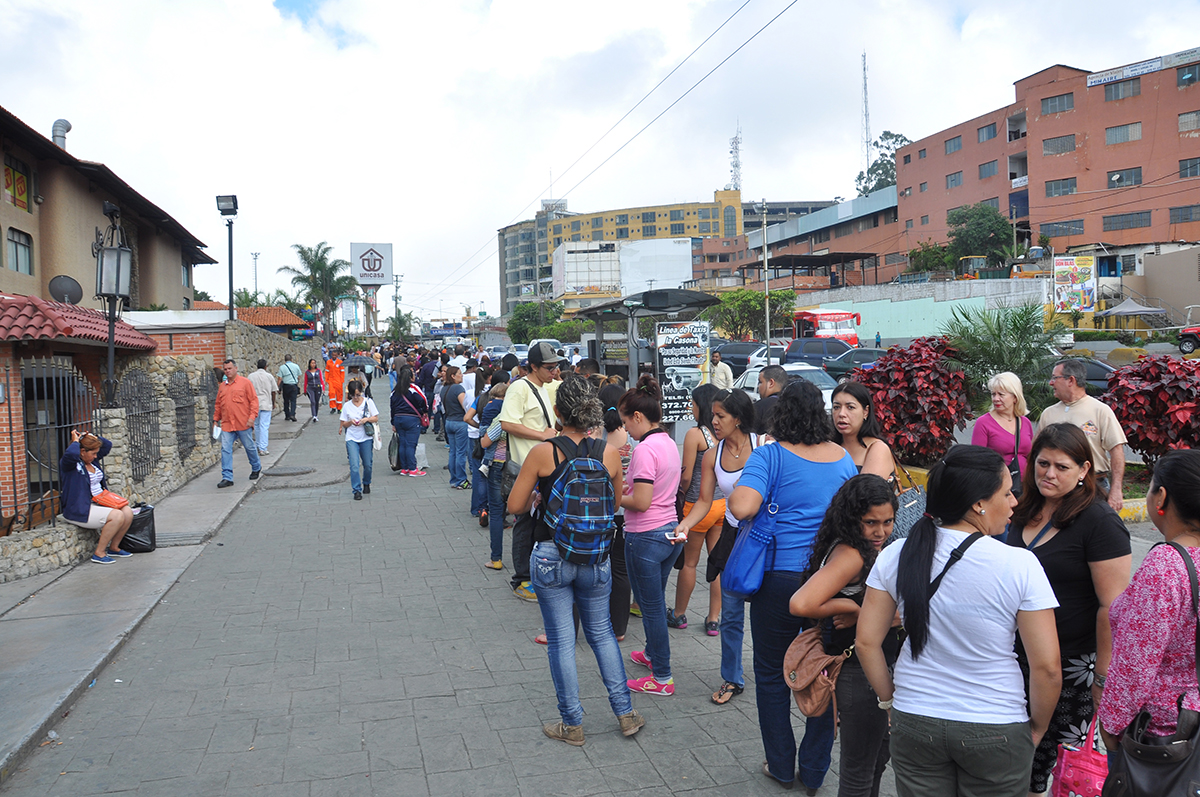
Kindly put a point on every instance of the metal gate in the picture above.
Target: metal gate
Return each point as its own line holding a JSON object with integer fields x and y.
{"x": 136, "y": 394}
{"x": 56, "y": 400}
{"x": 209, "y": 384}
{"x": 179, "y": 389}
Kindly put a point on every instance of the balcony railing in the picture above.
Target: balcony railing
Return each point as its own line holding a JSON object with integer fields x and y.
{"x": 713, "y": 283}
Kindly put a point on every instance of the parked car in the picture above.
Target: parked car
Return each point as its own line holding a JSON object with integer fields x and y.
{"x": 814, "y": 350}
{"x": 843, "y": 364}
{"x": 521, "y": 350}
{"x": 759, "y": 357}
{"x": 737, "y": 355}
{"x": 748, "y": 381}
{"x": 1097, "y": 374}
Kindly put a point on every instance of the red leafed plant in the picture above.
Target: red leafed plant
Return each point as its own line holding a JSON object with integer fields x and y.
{"x": 920, "y": 395}
{"x": 1157, "y": 402}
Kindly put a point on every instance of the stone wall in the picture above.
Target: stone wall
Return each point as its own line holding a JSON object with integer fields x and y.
{"x": 246, "y": 344}
{"x": 41, "y": 550}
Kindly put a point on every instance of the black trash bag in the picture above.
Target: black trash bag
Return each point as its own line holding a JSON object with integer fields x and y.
{"x": 141, "y": 537}
{"x": 394, "y": 451}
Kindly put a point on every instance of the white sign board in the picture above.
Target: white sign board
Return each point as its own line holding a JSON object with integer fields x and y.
{"x": 371, "y": 264}
{"x": 350, "y": 312}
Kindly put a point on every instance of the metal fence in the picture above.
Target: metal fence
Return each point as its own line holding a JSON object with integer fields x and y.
{"x": 136, "y": 394}
{"x": 209, "y": 384}
{"x": 180, "y": 391}
{"x": 56, "y": 399}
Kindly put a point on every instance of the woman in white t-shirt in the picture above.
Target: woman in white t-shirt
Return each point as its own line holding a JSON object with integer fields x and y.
{"x": 357, "y": 412}
{"x": 959, "y": 724}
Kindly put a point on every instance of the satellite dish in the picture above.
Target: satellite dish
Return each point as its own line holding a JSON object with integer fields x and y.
{"x": 65, "y": 289}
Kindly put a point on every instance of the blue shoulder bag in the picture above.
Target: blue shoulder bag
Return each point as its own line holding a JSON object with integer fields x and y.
{"x": 743, "y": 573}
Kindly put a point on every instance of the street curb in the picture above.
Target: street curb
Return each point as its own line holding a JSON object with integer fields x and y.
{"x": 1134, "y": 511}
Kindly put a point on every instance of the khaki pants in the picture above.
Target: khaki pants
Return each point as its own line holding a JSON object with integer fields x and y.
{"x": 945, "y": 758}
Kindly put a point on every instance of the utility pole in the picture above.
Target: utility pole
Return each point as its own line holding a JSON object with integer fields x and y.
{"x": 766, "y": 281}
{"x": 255, "y": 256}
{"x": 396, "y": 297}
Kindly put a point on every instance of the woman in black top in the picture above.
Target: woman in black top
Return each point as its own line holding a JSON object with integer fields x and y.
{"x": 1064, "y": 518}
{"x": 408, "y": 406}
{"x": 454, "y": 404}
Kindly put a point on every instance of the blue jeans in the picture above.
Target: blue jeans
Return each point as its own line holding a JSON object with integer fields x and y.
{"x": 772, "y": 630}
{"x": 364, "y": 451}
{"x": 247, "y": 438}
{"x": 496, "y": 509}
{"x": 456, "y": 437}
{"x": 559, "y": 585}
{"x": 262, "y": 426}
{"x": 650, "y": 557}
{"x": 479, "y": 490}
{"x": 408, "y": 427}
{"x": 733, "y": 632}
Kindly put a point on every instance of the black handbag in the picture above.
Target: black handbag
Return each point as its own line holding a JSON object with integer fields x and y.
{"x": 140, "y": 538}
{"x": 1151, "y": 766}
{"x": 1014, "y": 465}
{"x": 394, "y": 451}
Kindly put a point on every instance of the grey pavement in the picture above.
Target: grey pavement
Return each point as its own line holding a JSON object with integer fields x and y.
{"x": 321, "y": 646}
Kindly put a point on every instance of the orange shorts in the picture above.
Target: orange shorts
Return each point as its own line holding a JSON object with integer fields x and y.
{"x": 714, "y": 517}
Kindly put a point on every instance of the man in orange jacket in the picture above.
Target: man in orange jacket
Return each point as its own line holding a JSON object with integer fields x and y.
{"x": 335, "y": 375}
{"x": 235, "y": 411}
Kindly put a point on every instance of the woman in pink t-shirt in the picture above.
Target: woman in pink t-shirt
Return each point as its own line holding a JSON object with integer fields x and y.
{"x": 649, "y": 504}
{"x": 997, "y": 429}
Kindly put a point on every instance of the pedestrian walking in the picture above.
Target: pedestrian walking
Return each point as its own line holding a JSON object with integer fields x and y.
{"x": 554, "y": 476}
{"x": 454, "y": 403}
{"x": 335, "y": 377}
{"x": 314, "y": 385}
{"x": 264, "y": 388}
{"x": 409, "y": 408}
{"x": 81, "y": 482}
{"x": 359, "y": 416}
{"x": 288, "y": 380}
{"x": 235, "y": 412}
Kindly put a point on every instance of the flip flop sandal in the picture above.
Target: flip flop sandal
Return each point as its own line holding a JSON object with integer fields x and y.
{"x": 727, "y": 692}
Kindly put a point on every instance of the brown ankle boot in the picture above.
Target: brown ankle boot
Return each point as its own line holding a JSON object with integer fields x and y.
{"x": 571, "y": 734}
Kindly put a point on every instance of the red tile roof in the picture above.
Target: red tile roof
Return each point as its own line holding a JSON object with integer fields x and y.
{"x": 202, "y": 305}
{"x": 31, "y": 318}
{"x": 270, "y": 317}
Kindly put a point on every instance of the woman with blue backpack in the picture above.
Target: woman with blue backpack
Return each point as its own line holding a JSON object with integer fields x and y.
{"x": 573, "y": 485}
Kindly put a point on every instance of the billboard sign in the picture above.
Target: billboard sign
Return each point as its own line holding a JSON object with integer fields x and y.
{"x": 1075, "y": 284}
{"x": 349, "y": 312}
{"x": 371, "y": 264}
{"x": 682, "y": 351}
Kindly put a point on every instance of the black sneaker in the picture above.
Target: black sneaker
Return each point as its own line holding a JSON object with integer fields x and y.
{"x": 224, "y": 483}
{"x": 357, "y": 495}
{"x": 366, "y": 489}
{"x": 255, "y": 475}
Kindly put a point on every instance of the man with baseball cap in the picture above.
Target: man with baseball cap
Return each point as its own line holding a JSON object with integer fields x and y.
{"x": 527, "y": 418}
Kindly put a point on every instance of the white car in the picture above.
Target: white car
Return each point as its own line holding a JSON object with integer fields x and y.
{"x": 759, "y": 357}
{"x": 749, "y": 380}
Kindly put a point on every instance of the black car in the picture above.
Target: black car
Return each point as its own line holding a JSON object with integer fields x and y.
{"x": 814, "y": 350}
{"x": 843, "y": 364}
{"x": 737, "y": 356}
{"x": 1097, "y": 374}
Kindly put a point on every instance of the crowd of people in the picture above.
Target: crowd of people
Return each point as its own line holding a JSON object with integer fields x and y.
{"x": 972, "y": 648}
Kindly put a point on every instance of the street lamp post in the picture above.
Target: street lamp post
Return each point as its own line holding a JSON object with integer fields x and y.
{"x": 114, "y": 264}
{"x": 228, "y": 206}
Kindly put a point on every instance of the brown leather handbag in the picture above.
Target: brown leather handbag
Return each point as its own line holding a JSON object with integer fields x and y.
{"x": 812, "y": 673}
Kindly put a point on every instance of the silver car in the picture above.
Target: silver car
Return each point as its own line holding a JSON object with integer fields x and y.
{"x": 749, "y": 380}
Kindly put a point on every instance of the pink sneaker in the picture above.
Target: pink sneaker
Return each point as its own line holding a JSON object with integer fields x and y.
{"x": 404, "y": 472}
{"x": 417, "y": 473}
{"x": 638, "y": 657}
{"x": 651, "y": 686}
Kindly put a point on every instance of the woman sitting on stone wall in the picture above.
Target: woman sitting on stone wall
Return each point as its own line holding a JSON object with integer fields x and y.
{"x": 82, "y": 481}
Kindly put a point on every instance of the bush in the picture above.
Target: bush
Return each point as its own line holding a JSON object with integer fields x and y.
{"x": 1155, "y": 400}
{"x": 920, "y": 395}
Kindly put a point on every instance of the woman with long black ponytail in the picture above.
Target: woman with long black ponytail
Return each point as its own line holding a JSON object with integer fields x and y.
{"x": 960, "y": 722}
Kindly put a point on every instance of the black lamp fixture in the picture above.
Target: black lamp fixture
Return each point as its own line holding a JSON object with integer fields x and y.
{"x": 114, "y": 265}
{"x": 227, "y": 204}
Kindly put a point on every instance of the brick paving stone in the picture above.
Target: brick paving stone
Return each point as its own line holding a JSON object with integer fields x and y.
{"x": 321, "y": 646}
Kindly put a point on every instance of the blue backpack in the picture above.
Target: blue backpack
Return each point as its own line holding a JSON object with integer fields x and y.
{"x": 582, "y": 503}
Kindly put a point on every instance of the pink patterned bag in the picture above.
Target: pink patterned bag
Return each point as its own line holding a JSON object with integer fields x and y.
{"x": 1080, "y": 772}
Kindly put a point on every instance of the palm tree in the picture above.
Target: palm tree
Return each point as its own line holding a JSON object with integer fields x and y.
{"x": 320, "y": 281}
{"x": 246, "y": 298}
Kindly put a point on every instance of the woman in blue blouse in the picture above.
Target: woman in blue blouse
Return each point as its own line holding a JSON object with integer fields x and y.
{"x": 801, "y": 475}
{"x": 81, "y": 478}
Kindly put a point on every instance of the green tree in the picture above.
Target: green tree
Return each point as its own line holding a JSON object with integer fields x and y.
{"x": 742, "y": 313}
{"x": 201, "y": 296}
{"x": 527, "y": 317}
{"x": 929, "y": 256}
{"x": 320, "y": 281}
{"x": 882, "y": 171}
{"x": 246, "y": 298}
{"x": 281, "y": 298}
{"x": 978, "y": 230}
{"x": 990, "y": 341}
{"x": 400, "y": 326}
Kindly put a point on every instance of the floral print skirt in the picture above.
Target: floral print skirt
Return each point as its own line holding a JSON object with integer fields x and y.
{"x": 1072, "y": 715}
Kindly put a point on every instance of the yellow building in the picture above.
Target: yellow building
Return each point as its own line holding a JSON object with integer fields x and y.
{"x": 526, "y": 247}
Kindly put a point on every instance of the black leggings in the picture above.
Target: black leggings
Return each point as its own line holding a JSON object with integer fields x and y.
{"x": 314, "y": 399}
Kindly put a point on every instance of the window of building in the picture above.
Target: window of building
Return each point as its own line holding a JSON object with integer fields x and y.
{"x": 20, "y": 251}
{"x": 16, "y": 184}
{"x": 907, "y": 224}
{"x": 1058, "y": 145}
{"x": 597, "y": 235}
{"x": 705, "y": 226}
{"x": 1058, "y": 103}
{"x": 703, "y": 213}
{"x": 676, "y": 229}
{"x": 987, "y": 132}
{"x": 676, "y": 215}
{"x": 821, "y": 236}
{"x": 1128, "y": 264}
{"x": 954, "y": 180}
{"x": 730, "y": 220}
{"x": 187, "y": 275}
{"x": 1123, "y": 133}
{"x": 187, "y": 303}
{"x": 576, "y": 237}
{"x": 953, "y": 144}
{"x": 989, "y": 169}
{"x": 558, "y": 229}
{"x": 924, "y": 187}
{"x": 891, "y": 215}
{"x": 1189, "y": 121}
{"x": 1057, "y": 229}
{"x": 1127, "y": 221}
{"x": 1122, "y": 89}
{"x": 994, "y": 202}
{"x": 597, "y": 221}
{"x": 1185, "y": 214}
{"x": 1125, "y": 177}
{"x": 716, "y": 226}
{"x": 576, "y": 225}
{"x": 1187, "y": 75}
{"x": 907, "y": 159}
{"x": 1189, "y": 167}
{"x": 648, "y": 218}
{"x": 920, "y": 154}
{"x": 622, "y": 218}
{"x": 1060, "y": 187}
{"x": 622, "y": 232}
{"x": 924, "y": 220}
{"x": 557, "y": 241}
{"x": 843, "y": 229}
{"x": 649, "y": 231}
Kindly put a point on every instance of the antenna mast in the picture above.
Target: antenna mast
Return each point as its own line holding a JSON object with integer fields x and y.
{"x": 866, "y": 129}
{"x": 735, "y": 160}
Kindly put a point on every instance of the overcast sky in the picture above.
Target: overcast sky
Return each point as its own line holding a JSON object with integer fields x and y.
{"x": 430, "y": 125}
